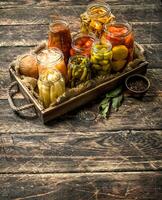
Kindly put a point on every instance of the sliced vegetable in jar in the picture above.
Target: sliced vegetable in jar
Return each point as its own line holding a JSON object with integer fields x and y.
{"x": 51, "y": 85}
{"x": 101, "y": 56}
{"x": 78, "y": 70}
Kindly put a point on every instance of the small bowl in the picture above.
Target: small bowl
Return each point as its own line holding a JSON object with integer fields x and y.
{"x": 131, "y": 82}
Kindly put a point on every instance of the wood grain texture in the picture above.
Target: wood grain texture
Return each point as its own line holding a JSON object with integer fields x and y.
{"x": 16, "y": 3}
{"x": 80, "y": 156}
{"x": 134, "y": 114}
{"x": 81, "y": 152}
{"x": 42, "y": 15}
{"x": 30, "y": 35}
{"x": 96, "y": 186}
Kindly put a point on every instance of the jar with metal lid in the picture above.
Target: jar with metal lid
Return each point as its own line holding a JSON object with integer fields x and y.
{"x": 51, "y": 85}
{"x": 52, "y": 58}
{"x": 59, "y": 36}
{"x": 101, "y": 56}
{"x": 95, "y": 17}
{"x": 122, "y": 39}
{"x": 78, "y": 70}
{"x": 81, "y": 44}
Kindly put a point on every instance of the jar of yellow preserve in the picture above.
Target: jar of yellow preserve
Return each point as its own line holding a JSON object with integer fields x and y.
{"x": 51, "y": 85}
{"x": 95, "y": 17}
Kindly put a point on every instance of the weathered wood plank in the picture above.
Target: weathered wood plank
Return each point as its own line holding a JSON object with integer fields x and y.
{"x": 134, "y": 114}
{"x": 30, "y": 35}
{"x": 128, "y": 186}
{"x": 81, "y": 152}
{"x": 41, "y": 15}
{"x": 17, "y": 3}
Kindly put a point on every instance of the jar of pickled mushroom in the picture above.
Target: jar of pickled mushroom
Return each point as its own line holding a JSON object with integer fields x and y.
{"x": 51, "y": 85}
{"x": 95, "y": 17}
{"x": 122, "y": 39}
{"x": 78, "y": 70}
{"x": 81, "y": 44}
{"x": 59, "y": 36}
{"x": 101, "y": 56}
{"x": 52, "y": 58}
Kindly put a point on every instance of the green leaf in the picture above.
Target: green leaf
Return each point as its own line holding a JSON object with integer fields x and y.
{"x": 117, "y": 101}
{"x": 114, "y": 93}
{"x": 104, "y": 101}
{"x": 105, "y": 111}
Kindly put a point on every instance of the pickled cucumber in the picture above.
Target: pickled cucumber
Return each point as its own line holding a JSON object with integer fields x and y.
{"x": 45, "y": 90}
{"x": 79, "y": 70}
{"x": 53, "y": 94}
{"x": 51, "y": 85}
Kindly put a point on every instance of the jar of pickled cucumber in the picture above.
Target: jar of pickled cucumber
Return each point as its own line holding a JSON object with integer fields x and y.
{"x": 122, "y": 39}
{"x": 78, "y": 70}
{"x": 81, "y": 44}
{"x": 95, "y": 17}
{"x": 52, "y": 58}
{"x": 51, "y": 85}
{"x": 101, "y": 56}
{"x": 59, "y": 36}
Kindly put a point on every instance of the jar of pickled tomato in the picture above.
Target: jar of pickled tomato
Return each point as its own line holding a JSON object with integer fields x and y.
{"x": 122, "y": 39}
{"x": 81, "y": 44}
{"x": 101, "y": 56}
{"x": 51, "y": 85}
{"x": 52, "y": 58}
{"x": 59, "y": 36}
{"x": 95, "y": 17}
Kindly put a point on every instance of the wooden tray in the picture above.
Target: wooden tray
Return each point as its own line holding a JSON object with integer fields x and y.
{"x": 52, "y": 112}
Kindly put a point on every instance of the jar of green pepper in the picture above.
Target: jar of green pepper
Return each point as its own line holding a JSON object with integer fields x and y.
{"x": 78, "y": 70}
{"x": 101, "y": 57}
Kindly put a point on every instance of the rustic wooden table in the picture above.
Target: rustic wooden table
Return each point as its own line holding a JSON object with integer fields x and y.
{"x": 79, "y": 156}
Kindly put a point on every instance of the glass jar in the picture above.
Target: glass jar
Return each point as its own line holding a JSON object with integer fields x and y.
{"x": 78, "y": 70}
{"x": 81, "y": 44}
{"x": 95, "y": 17}
{"x": 59, "y": 36}
{"x": 122, "y": 39}
{"x": 51, "y": 85}
{"x": 52, "y": 58}
{"x": 101, "y": 56}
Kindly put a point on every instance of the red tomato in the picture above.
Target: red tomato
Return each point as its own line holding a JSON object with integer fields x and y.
{"x": 129, "y": 40}
{"x": 88, "y": 44}
{"x": 79, "y": 42}
{"x": 72, "y": 52}
{"x": 115, "y": 40}
{"x": 117, "y": 30}
{"x": 86, "y": 52}
{"x": 85, "y": 39}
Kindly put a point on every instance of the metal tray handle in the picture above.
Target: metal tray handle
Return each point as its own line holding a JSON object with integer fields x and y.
{"x": 11, "y": 93}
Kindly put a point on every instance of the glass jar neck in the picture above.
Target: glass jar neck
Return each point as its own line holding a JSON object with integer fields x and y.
{"x": 107, "y": 44}
{"x": 127, "y": 26}
{"x": 79, "y": 59}
{"x": 58, "y": 25}
{"x": 97, "y": 10}
{"x": 50, "y": 76}
{"x": 79, "y": 36}
{"x": 50, "y": 57}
